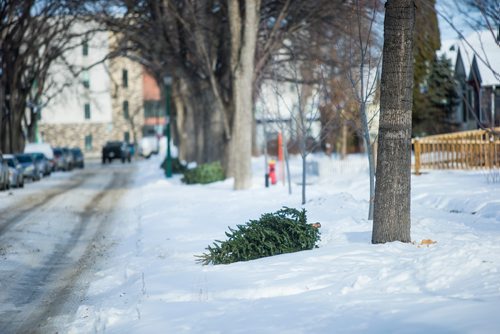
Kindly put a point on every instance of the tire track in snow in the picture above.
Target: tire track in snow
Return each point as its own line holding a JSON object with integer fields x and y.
{"x": 43, "y": 291}
{"x": 33, "y": 202}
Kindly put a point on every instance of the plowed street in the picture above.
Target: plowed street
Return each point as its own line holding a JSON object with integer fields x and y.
{"x": 52, "y": 234}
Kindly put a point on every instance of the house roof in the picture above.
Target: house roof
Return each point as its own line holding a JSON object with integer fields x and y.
{"x": 482, "y": 47}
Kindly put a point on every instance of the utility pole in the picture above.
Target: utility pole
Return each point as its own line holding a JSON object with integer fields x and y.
{"x": 167, "y": 80}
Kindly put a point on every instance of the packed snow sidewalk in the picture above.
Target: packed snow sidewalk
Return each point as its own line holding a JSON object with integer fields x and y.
{"x": 152, "y": 284}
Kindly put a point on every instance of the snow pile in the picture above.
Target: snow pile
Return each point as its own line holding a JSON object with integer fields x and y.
{"x": 152, "y": 284}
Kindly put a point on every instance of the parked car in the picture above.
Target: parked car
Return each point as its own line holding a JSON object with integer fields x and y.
{"x": 60, "y": 159}
{"x": 16, "y": 177}
{"x": 115, "y": 150}
{"x": 4, "y": 174}
{"x": 30, "y": 168}
{"x": 43, "y": 164}
{"x": 69, "y": 157}
{"x": 44, "y": 148}
{"x": 78, "y": 159}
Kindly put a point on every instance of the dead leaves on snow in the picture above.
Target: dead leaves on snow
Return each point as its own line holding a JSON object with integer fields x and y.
{"x": 424, "y": 243}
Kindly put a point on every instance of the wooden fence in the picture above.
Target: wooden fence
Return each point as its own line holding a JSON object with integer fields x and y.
{"x": 478, "y": 149}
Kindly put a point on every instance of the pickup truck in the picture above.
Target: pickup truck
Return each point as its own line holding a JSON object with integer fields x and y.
{"x": 115, "y": 150}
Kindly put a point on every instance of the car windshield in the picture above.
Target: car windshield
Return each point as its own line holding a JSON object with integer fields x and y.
{"x": 24, "y": 158}
{"x": 10, "y": 162}
{"x": 114, "y": 143}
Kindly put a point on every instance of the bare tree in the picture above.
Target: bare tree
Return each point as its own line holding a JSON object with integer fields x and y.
{"x": 304, "y": 113}
{"x": 392, "y": 193}
{"x": 279, "y": 123}
{"x": 363, "y": 74}
{"x": 210, "y": 46}
{"x": 339, "y": 113}
{"x": 299, "y": 102}
{"x": 33, "y": 35}
{"x": 243, "y": 29}
{"x": 481, "y": 14}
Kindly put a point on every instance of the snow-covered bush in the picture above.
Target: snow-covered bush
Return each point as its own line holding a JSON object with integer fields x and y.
{"x": 284, "y": 231}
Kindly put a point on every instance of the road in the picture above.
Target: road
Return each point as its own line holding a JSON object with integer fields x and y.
{"x": 52, "y": 235}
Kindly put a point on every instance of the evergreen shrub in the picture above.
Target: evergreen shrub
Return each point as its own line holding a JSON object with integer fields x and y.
{"x": 204, "y": 173}
{"x": 284, "y": 231}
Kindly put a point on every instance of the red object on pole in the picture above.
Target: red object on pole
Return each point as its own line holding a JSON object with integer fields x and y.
{"x": 272, "y": 171}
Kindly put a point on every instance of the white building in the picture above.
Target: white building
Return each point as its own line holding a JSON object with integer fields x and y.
{"x": 279, "y": 103}
{"x": 92, "y": 99}
{"x": 278, "y": 110}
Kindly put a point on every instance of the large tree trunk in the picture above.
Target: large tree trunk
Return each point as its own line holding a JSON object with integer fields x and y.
{"x": 201, "y": 131}
{"x": 17, "y": 113}
{"x": 3, "y": 116}
{"x": 31, "y": 130}
{"x": 180, "y": 117}
{"x": 392, "y": 194}
{"x": 243, "y": 44}
{"x": 187, "y": 133}
{"x": 213, "y": 136}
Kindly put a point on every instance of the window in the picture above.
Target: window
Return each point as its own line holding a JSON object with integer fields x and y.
{"x": 152, "y": 108}
{"x": 86, "y": 108}
{"x": 124, "y": 78}
{"x": 86, "y": 79}
{"x": 88, "y": 142}
{"x": 125, "y": 110}
{"x": 85, "y": 48}
{"x": 126, "y": 137}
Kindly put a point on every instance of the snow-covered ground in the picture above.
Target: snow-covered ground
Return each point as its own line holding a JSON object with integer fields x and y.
{"x": 152, "y": 284}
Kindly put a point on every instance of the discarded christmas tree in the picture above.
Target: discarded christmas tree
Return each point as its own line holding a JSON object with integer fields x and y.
{"x": 284, "y": 231}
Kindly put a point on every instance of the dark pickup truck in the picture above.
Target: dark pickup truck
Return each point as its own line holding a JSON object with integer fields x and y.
{"x": 115, "y": 150}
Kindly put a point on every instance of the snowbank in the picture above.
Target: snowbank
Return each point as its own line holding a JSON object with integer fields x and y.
{"x": 151, "y": 283}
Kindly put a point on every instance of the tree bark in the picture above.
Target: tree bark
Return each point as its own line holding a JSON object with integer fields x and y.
{"x": 201, "y": 130}
{"x": 3, "y": 116}
{"x": 392, "y": 191}
{"x": 179, "y": 120}
{"x": 243, "y": 46}
{"x": 188, "y": 134}
{"x": 214, "y": 133}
